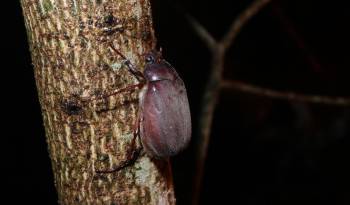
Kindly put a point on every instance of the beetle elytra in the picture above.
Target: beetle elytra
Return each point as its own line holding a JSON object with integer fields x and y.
{"x": 164, "y": 119}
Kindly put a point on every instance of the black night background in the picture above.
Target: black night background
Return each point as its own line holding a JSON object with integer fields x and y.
{"x": 262, "y": 150}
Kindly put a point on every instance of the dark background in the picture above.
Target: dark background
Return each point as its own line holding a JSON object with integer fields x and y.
{"x": 262, "y": 151}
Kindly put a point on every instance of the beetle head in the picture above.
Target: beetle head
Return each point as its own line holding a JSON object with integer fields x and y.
{"x": 157, "y": 68}
{"x": 153, "y": 57}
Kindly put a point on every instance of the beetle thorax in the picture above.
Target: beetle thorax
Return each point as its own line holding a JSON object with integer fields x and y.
{"x": 157, "y": 68}
{"x": 156, "y": 72}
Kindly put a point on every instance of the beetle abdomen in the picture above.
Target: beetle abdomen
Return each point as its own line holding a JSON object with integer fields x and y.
{"x": 166, "y": 119}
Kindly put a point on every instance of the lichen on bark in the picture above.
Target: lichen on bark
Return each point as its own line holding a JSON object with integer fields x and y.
{"x": 69, "y": 42}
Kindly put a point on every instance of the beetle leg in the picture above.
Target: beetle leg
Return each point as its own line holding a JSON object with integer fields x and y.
{"x": 126, "y": 89}
{"x": 131, "y": 155}
{"x": 131, "y": 67}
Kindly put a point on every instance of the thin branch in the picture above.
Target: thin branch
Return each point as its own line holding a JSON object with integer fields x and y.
{"x": 202, "y": 32}
{"x": 241, "y": 20}
{"x": 291, "y": 96}
{"x": 213, "y": 85}
{"x": 208, "y": 104}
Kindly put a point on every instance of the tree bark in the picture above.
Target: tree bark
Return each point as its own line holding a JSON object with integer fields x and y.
{"x": 86, "y": 132}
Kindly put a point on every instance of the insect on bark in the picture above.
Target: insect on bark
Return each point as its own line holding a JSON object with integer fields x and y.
{"x": 164, "y": 120}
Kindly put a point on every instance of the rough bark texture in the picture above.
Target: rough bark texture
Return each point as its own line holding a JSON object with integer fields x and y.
{"x": 73, "y": 63}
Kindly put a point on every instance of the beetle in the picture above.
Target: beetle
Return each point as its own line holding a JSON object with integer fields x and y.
{"x": 164, "y": 120}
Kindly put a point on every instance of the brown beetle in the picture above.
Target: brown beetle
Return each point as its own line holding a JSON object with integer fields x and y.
{"x": 164, "y": 119}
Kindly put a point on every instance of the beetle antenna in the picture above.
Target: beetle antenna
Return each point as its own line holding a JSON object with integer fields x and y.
{"x": 131, "y": 67}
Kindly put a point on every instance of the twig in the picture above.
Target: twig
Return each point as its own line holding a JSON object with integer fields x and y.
{"x": 241, "y": 20}
{"x": 283, "y": 95}
{"x": 209, "y": 102}
{"x": 202, "y": 32}
{"x": 216, "y": 83}
{"x": 212, "y": 90}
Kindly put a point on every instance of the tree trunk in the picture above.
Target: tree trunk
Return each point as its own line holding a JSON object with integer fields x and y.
{"x": 87, "y": 133}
